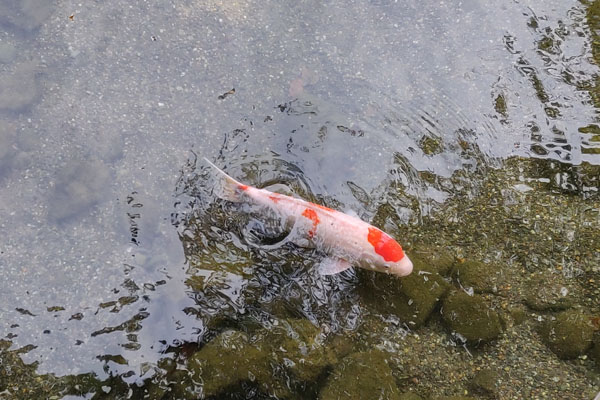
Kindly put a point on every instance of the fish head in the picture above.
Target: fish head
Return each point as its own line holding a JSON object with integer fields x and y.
{"x": 387, "y": 255}
{"x": 401, "y": 268}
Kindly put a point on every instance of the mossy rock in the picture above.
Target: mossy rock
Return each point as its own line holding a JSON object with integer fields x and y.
{"x": 363, "y": 375}
{"x": 412, "y": 298}
{"x": 548, "y": 293}
{"x": 471, "y": 317}
{"x": 485, "y": 382}
{"x": 482, "y": 277}
{"x": 301, "y": 348}
{"x": 518, "y": 314}
{"x": 595, "y": 351}
{"x": 410, "y": 396}
{"x": 229, "y": 359}
{"x": 569, "y": 335}
{"x": 455, "y": 398}
{"x": 431, "y": 260}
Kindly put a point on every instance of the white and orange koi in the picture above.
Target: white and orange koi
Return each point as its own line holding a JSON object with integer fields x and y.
{"x": 346, "y": 240}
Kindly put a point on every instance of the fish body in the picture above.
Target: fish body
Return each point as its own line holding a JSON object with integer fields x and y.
{"x": 347, "y": 240}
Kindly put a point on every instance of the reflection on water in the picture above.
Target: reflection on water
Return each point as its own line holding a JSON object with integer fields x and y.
{"x": 468, "y": 131}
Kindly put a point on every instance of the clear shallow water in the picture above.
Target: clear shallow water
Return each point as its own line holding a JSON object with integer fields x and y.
{"x": 102, "y": 114}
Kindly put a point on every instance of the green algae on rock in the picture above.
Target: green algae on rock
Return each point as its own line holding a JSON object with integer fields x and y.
{"x": 432, "y": 260}
{"x": 545, "y": 293}
{"x": 412, "y": 298}
{"x": 455, "y": 398}
{"x": 301, "y": 349}
{"x": 569, "y": 334}
{"x": 595, "y": 351}
{"x": 410, "y": 396}
{"x": 471, "y": 317}
{"x": 482, "y": 277}
{"x": 20, "y": 381}
{"x": 293, "y": 348}
{"x": 362, "y": 375}
{"x": 230, "y": 358}
{"x": 485, "y": 382}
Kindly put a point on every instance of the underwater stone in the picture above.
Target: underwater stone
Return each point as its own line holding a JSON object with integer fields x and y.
{"x": 79, "y": 186}
{"x": 7, "y": 142}
{"x": 410, "y": 396}
{"x": 301, "y": 347}
{"x": 233, "y": 357}
{"x": 228, "y": 359}
{"x": 412, "y": 298}
{"x": 25, "y": 14}
{"x": 595, "y": 351}
{"x": 8, "y": 52}
{"x": 552, "y": 293}
{"x": 431, "y": 260}
{"x": 181, "y": 386}
{"x": 471, "y": 317}
{"x": 363, "y": 375}
{"x": 518, "y": 314}
{"x": 18, "y": 88}
{"x": 478, "y": 275}
{"x": 485, "y": 382}
{"x": 569, "y": 335}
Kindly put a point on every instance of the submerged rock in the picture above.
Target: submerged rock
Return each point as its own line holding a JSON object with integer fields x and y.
{"x": 595, "y": 351}
{"x": 227, "y": 360}
{"x": 363, "y": 375}
{"x": 410, "y": 396}
{"x": 412, "y": 298}
{"x": 485, "y": 382}
{"x": 301, "y": 349}
{"x": 471, "y": 317}
{"x": 25, "y": 14}
{"x": 290, "y": 353}
{"x": 569, "y": 335}
{"x": 482, "y": 277}
{"x": 19, "y": 88}
{"x": 7, "y": 143}
{"x": 432, "y": 261}
{"x": 79, "y": 186}
{"x": 548, "y": 293}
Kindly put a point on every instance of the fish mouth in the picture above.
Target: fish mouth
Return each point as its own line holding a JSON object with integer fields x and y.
{"x": 403, "y": 267}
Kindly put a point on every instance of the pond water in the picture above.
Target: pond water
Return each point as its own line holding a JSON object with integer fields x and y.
{"x": 467, "y": 130}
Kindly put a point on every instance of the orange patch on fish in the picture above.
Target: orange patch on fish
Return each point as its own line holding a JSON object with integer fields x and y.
{"x": 243, "y": 187}
{"x": 275, "y": 198}
{"x": 384, "y": 245}
{"x": 312, "y": 215}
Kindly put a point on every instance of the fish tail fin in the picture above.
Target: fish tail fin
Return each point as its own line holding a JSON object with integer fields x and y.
{"x": 227, "y": 188}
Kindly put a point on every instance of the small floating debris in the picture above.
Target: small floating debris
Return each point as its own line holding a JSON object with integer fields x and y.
{"x": 232, "y": 91}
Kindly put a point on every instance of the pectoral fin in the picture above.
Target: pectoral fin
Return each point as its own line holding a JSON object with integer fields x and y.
{"x": 331, "y": 266}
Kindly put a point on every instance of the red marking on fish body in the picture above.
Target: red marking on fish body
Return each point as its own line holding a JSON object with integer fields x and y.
{"x": 274, "y": 198}
{"x": 243, "y": 187}
{"x": 384, "y": 245}
{"x": 312, "y": 215}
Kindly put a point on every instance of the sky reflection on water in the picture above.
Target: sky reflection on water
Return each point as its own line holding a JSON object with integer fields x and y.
{"x": 102, "y": 106}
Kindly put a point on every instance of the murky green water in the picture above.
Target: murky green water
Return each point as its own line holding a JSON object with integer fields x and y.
{"x": 468, "y": 131}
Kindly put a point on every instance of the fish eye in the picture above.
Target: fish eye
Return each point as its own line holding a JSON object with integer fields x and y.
{"x": 386, "y": 266}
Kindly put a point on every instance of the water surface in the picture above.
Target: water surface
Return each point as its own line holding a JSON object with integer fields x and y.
{"x": 467, "y": 129}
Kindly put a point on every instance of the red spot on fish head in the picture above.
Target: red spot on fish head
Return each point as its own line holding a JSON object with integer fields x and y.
{"x": 384, "y": 245}
{"x": 312, "y": 215}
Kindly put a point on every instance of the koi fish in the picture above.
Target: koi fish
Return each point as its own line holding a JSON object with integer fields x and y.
{"x": 345, "y": 239}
